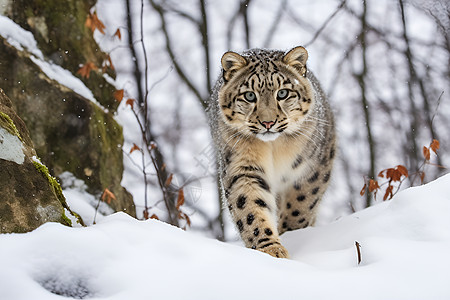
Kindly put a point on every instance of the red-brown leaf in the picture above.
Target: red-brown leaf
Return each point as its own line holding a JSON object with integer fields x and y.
{"x": 363, "y": 190}
{"x": 373, "y": 185}
{"x": 93, "y": 23}
{"x": 188, "y": 220}
{"x": 180, "y": 199}
{"x": 134, "y": 148}
{"x": 117, "y": 33}
{"x": 389, "y": 173}
{"x": 86, "y": 69}
{"x": 169, "y": 180}
{"x": 130, "y": 102}
{"x": 118, "y": 95}
{"x": 403, "y": 170}
{"x": 435, "y": 145}
{"x": 396, "y": 175}
{"x": 426, "y": 153}
{"x": 388, "y": 193}
{"x": 107, "y": 196}
{"x": 422, "y": 176}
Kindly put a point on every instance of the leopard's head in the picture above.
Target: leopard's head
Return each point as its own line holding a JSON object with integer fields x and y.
{"x": 265, "y": 93}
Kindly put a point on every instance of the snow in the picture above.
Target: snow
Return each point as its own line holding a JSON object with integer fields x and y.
{"x": 11, "y": 147}
{"x": 404, "y": 246}
{"x": 67, "y": 79}
{"x": 89, "y": 207}
{"x": 18, "y": 37}
{"x": 22, "y": 39}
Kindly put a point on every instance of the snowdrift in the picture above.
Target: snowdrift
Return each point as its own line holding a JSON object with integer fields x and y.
{"x": 405, "y": 246}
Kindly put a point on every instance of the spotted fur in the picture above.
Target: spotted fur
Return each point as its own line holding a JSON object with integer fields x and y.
{"x": 275, "y": 136}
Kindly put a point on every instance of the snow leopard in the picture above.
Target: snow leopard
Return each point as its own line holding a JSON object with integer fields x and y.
{"x": 275, "y": 138}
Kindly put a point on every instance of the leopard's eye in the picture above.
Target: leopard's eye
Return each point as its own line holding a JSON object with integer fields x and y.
{"x": 282, "y": 94}
{"x": 250, "y": 97}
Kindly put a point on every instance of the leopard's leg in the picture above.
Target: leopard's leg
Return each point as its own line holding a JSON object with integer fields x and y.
{"x": 253, "y": 208}
{"x": 298, "y": 208}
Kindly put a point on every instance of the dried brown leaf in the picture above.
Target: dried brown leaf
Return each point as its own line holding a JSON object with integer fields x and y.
{"x": 93, "y": 22}
{"x": 389, "y": 173}
{"x": 130, "y": 102}
{"x": 117, "y": 33}
{"x": 180, "y": 199}
{"x": 363, "y": 190}
{"x": 134, "y": 148}
{"x": 435, "y": 145}
{"x": 107, "y": 196}
{"x": 403, "y": 170}
{"x": 396, "y": 175}
{"x": 118, "y": 95}
{"x": 388, "y": 193}
{"x": 86, "y": 69}
{"x": 422, "y": 176}
{"x": 188, "y": 220}
{"x": 169, "y": 180}
{"x": 426, "y": 153}
{"x": 373, "y": 185}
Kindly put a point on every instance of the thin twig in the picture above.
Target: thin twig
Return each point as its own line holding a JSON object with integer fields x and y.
{"x": 319, "y": 31}
{"x": 159, "y": 9}
{"x": 276, "y": 22}
{"x": 242, "y": 11}
{"x": 137, "y": 71}
{"x": 144, "y": 51}
{"x": 358, "y": 251}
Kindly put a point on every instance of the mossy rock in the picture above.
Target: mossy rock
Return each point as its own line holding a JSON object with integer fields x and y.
{"x": 69, "y": 132}
{"x": 29, "y": 195}
{"x": 60, "y": 31}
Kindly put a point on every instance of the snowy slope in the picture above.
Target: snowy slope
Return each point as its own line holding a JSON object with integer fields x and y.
{"x": 405, "y": 247}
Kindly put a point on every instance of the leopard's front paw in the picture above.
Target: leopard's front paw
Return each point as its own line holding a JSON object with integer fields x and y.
{"x": 276, "y": 250}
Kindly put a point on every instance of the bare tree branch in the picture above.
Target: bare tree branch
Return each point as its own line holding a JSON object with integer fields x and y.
{"x": 159, "y": 9}
{"x": 275, "y": 23}
{"x": 241, "y": 12}
{"x": 361, "y": 77}
{"x": 137, "y": 71}
{"x": 328, "y": 20}
{"x": 205, "y": 43}
{"x": 413, "y": 148}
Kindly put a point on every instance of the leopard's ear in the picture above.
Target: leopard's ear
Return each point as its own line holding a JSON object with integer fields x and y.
{"x": 232, "y": 62}
{"x": 297, "y": 58}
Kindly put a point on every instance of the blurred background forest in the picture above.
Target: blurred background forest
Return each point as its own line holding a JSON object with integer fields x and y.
{"x": 385, "y": 66}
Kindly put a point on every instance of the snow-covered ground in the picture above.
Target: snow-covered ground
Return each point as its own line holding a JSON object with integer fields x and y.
{"x": 405, "y": 246}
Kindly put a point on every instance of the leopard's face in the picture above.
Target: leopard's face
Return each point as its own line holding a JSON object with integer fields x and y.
{"x": 265, "y": 94}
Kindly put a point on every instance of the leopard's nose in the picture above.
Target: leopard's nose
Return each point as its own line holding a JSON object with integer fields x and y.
{"x": 268, "y": 125}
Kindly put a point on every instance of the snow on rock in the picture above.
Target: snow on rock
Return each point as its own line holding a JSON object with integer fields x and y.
{"x": 22, "y": 39}
{"x": 11, "y": 147}
{"x": 67, "y": 79}
{"x": 405, "y": 245}
{"x": 18, "y": 37}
